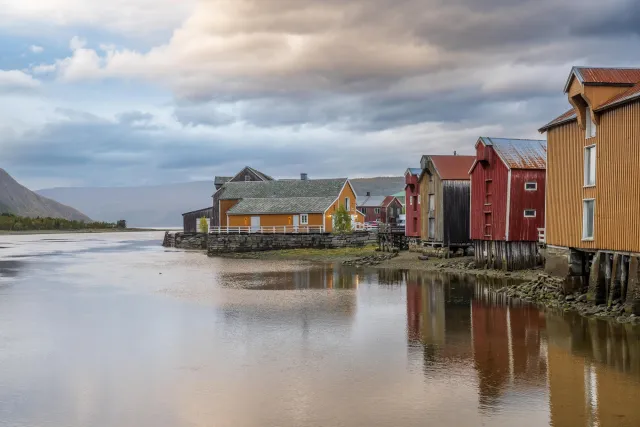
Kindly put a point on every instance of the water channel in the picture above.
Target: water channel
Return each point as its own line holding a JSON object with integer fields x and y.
{"x": 114, "y": 330}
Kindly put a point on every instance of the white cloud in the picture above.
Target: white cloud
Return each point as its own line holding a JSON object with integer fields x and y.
{"x": 77, "y": 43}
{"x": 36, "y": 49}
{"x": 15, "y": 80}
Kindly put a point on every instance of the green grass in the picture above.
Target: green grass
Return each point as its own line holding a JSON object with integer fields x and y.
{"x": 316, "y": 254}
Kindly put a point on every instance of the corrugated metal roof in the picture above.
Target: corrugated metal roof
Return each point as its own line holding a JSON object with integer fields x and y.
{"x": 453, "y": 167}
{"x": 622, "y": 98}
{"x": 288, "y": 205}
{"x": 602, "y": 75}
{"x": 414, "y": 171}
{"x": 283, "y": 189}
{"x": 520, "y": 153}
{"x": 564, "y": 118}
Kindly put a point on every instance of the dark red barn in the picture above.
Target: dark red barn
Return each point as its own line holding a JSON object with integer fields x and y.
{"x": 412, "y": 202}
{"x": 507, "y": 201}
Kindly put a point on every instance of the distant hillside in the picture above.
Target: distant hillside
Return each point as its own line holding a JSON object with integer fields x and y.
{"x": 19, "y": 200}
{"x": 163, "y": 205}
{"x": 150, "y": 206}
{"x": 380, "y": 186}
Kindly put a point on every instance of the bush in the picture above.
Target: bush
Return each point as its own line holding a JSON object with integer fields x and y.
{"x": 203, "y": 225}
{"x": 342, "y": 221}
{"x": 121, "y": 224}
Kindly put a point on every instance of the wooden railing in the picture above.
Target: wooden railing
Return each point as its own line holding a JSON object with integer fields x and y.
{"x": 542, "y": 235}
{"x": 281, "y": 229}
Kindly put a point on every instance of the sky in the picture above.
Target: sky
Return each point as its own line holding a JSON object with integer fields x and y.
{"x": 143, "y": 92}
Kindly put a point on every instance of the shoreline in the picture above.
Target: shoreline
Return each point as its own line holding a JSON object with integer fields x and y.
{"x": 86, "y": 231}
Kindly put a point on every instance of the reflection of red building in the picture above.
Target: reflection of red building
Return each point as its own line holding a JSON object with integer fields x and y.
{"x": 414, "y": 305}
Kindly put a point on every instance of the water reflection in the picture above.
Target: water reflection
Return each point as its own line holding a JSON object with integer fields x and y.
{"x": 589, "y": 368}
{"x": 323, "y": 277}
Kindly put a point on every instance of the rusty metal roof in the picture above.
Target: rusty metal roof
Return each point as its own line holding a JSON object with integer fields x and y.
{"x": 453, "y": 167}
{"x": 519, "y": 153}
{"x": 604, "y": 76}
{"x": 621, "y": 98}
{"x": 564, "y": 118}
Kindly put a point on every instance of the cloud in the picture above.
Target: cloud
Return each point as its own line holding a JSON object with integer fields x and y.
{"x": 77, "y": 43}
{"x": 36, "y": 49}
{"x": 15, "y": 80}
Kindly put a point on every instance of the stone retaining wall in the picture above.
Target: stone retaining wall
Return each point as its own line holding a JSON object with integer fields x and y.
{"x": 234, "y": 243}
{"x": 185, "y": 240}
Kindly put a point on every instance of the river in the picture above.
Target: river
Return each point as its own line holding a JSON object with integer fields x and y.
{"x": 114, "y": 330}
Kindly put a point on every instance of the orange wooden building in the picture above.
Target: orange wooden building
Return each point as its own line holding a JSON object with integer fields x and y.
{"x": 593, "y": 184}
{"x": 286, "y": 205}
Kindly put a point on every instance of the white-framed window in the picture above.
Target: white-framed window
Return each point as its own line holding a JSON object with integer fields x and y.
{"x": 418, "y": 199}
{"x": 377, "y": 210}
{"x": 588, "y": 218}
{"x": 347, "y": 204}
{"x": 304, "y": 219}
{"x": 590, "y": 166}
{"x": 364, "y": 210}
{"x": 410, "y": 201}
{"x": 529, "y": 213}
{"x": 530, "y": 186}
{"x": 247, "y": 178}
{"x": 589, "y": 124}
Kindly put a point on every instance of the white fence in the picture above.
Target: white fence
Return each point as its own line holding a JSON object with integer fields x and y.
{"x": 542, "y": 236}
{"x": 279, "y": 229}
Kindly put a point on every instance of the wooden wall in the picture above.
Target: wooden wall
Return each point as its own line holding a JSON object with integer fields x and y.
{"x": 496, "y": 171}
{"x": 521, "y": 228}
{"x": 427, "y": 187}
{"x": 273, "y": 220}
{"x": 617, "y": 190}
{"x": 456, "y": 210}
{"x": 347, "y": 191}
{"x": 190, "y": 221}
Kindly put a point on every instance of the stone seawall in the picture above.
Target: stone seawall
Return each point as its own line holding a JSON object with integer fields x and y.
{"x": 196, "y": 241}
{"x": 235, "y": 243}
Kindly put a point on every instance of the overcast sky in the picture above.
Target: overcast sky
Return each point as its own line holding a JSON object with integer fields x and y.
{"x": 134, "y": 92}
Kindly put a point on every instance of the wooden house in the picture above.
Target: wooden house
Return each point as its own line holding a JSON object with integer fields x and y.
{"x": 507, "y": 201}
{"x": 593, "y": 195}
{"x": 444, "y": 197}
{"x": 286, "y": 205}
{"x": 383, "y": 209}
{"x": 191, "y": 220}
{"x": 412, "y": 202}
{"x": 247, "y": 174}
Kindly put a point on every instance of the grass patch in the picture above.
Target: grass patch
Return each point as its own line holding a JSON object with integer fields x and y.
{"x": 339, "y": 254}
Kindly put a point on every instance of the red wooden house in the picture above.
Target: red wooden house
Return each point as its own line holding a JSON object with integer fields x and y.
{"x": 383, "y": 209}
{"x": 412, "y": 202}
{"x": 507, "y": 201}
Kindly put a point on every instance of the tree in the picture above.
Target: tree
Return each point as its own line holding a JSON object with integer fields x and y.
{"x": 121, "y": 224}
{"x": 341, "y": 221}
{"x": 203, "y": 225}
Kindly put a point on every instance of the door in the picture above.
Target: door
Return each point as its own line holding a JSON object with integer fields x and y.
{"x": 255, "y": 223}
{"x": 488, "y": 232}
{"x": 432, "y": 228}
{"x": 296, "y": 221}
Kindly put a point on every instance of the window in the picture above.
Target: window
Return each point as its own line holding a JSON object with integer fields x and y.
{"x": 529, "y": 213}
{"x": 364, "y": 210}
{"x": 410, "y": 201}
{"x": 418, "y": 199}
{"x": 432, "y": 202}
{"x": 531, "y": 186}
{"x": 377, "y": 210}
{"x": 247, "y": 178}
{"x": 588, "y": 218}
{"x": 304, "y": 219}
{"x": 590, "y": 166}
{"x": 347, "y": 204}
{"x": 589, "y": 124}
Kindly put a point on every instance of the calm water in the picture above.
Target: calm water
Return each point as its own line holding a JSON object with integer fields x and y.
{"x": 113, "y": 330}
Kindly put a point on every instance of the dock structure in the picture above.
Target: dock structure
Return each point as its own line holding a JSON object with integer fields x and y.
{"x": 392, "y": 237}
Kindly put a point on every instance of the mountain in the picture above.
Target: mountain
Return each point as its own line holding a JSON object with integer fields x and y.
{"x": 149, "y": 206}
{"x": 19, "y": 200}
{"x": 163, "y": 205}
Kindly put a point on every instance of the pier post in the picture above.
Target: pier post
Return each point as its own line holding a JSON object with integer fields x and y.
{"x": 632, "y": 304}
{"x": 615, "y": 291}
{"x": 597, "y": 293}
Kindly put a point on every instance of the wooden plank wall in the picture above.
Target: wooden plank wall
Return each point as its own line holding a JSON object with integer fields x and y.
{"x": 456, "y": 210}
{"x": 501, "y": 255}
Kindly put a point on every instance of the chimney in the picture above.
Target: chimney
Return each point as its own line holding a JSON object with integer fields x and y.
{"x": 368, "y": 193}
{"x": 304, "y": 177}
{"x": 455, "y": 153}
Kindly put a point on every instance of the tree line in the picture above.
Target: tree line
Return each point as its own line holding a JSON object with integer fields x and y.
{"x": 11, "y": 222}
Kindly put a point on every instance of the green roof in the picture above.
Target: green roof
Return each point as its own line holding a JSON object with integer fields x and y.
{"x": 289, "y": 205}
{"x": 283, "y": 189}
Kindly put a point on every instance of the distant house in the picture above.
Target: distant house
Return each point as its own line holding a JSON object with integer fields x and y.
{"x": 191, "y": 220}
{"x": 303, "y": 204}
{"x": 444, "y": 193}
{"x": 507, "y": 201}
{"x": 247, "y": 174}
{"x": 412, "y": 202}
{"x": 384, "y": 209}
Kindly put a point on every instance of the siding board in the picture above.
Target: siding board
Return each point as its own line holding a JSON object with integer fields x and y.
{"x": 498, "y": 173}
{"x": 521, "y": 228}
{"x": 456, "y": 206}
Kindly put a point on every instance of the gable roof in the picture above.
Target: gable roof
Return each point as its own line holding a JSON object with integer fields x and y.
{"x": 388, "y": 200}
{"x": 256, "y": 172}
{"x": 518, "y": 153}
{"x": 220, "y": 180}
{"x": 413, "y": 171}
{"x": 283, "y": 189}
{"x": 610, "y": 76}
{"x": 287, "y": 205}
{"x": 452, "y": 167}
{"x": 370, "y": 201}
{"x": 563, "y": 118}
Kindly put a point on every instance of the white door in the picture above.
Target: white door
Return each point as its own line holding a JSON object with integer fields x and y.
{"x": 255, "y": 223}
{"x": 296, "y": 222}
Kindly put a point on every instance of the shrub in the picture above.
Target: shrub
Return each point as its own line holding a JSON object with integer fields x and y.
{"x": 203, "y": 225}
{"x": 342, "y": 221}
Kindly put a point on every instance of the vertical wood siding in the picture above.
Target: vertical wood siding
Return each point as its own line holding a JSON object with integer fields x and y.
{"x": 456, "y": 209}
{"x": 617, "y": 190}
{"x": 521, "y": 228}
{"x": 496, "y": 171}
{"x": 272, "y": 220}
{"x": 412, "y": 210}
{"x": 426, "y": 188}
{"x": 347, "y": 191}
{"x": 424, "y": 209}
